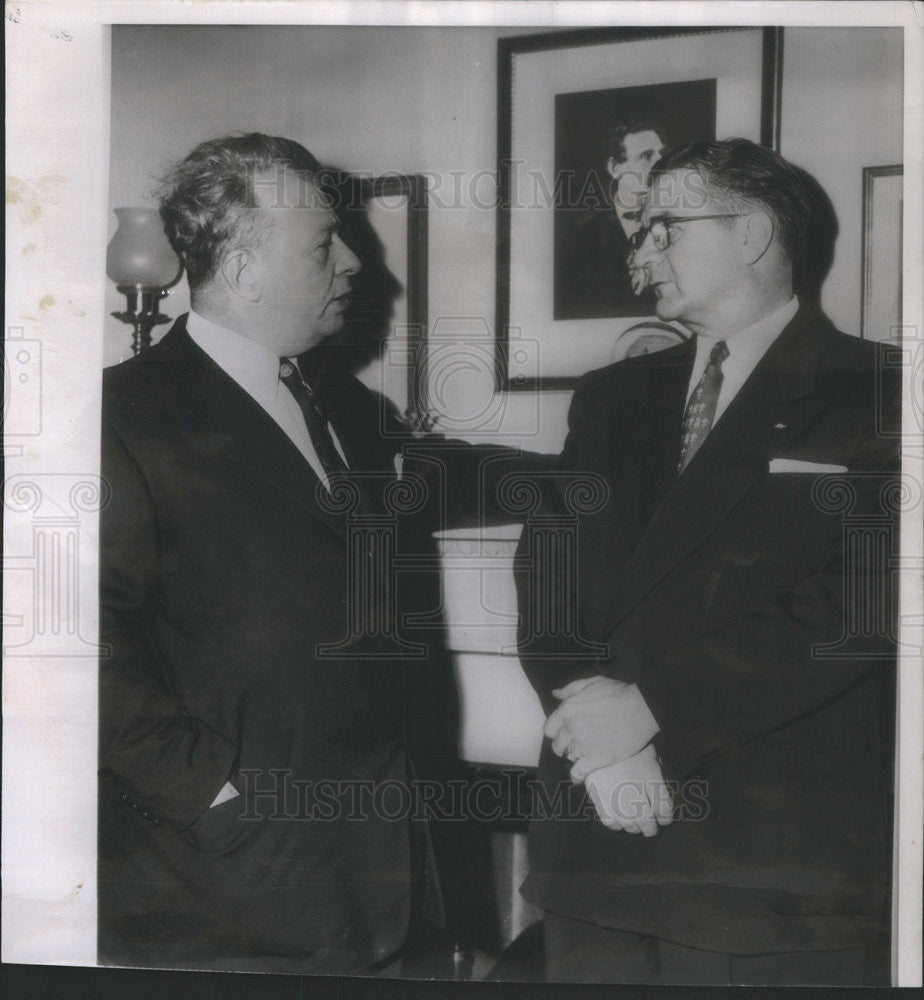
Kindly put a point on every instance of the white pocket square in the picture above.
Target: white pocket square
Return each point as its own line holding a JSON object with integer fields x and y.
{"x": 795, "y": 465}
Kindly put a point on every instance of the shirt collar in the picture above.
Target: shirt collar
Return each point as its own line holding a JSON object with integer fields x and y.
{"x": 250, "y": 364}
{"x": 756, "y": 338}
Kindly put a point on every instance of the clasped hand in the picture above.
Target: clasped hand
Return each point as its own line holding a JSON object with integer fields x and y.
{"x": 605, "y": 728}
{"x": 632, "y": 795}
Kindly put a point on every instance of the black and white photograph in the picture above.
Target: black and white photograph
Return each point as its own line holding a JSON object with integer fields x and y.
{"x": 462, "y": 498}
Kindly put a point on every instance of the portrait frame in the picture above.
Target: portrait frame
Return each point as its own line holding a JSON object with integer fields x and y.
{"x": 746, "y": 64}
{"x": 881, "y": 284}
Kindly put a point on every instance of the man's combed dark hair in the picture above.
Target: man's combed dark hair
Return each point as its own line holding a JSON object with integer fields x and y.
{"x": 208, "y": 199}
{"x": 742, "y": 172}
{"x": 613, "y": 140}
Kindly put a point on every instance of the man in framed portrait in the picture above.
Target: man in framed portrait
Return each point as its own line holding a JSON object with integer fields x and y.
{"x": 591, "y": 276}
{"x": 732, "y": 751}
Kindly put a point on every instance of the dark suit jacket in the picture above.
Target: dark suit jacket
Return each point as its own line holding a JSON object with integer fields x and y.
{"x": 221, "y": 576}
{"x": 711, "y": 590}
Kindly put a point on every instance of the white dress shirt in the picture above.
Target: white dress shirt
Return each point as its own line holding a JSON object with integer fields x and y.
{"x": 256, "y": 371}
{"x": 745, "y": 349}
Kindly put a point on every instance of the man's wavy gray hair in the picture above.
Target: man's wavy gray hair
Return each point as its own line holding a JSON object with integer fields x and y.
{"x": 208, "y": 200}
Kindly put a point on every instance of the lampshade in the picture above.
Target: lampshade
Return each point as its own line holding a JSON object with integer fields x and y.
{"x": 139, "y": 253}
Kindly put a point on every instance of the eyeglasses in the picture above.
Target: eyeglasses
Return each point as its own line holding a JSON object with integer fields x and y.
{"x": 660, "y": 229}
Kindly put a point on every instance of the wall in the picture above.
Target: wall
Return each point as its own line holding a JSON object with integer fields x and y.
{"x": 388, "y": 99}
{"x": 841, "y": 112}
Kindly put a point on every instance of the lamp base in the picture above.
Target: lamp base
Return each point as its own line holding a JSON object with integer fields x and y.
{"x": 142, "y": 313}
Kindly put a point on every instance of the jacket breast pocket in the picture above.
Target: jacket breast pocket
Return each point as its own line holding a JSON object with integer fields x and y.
{"x": 799, "y": 533}
{"x": 220, "y": 829}
{"x": 777, "y": 541}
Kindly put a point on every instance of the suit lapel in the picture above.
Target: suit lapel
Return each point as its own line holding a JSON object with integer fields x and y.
{"x": 661, "y": 396}
{"x": 359, "y": 426}
{"x": 648, "y": 446}
{"x": 772, "y": 410}
{"x": 210, "y": 402}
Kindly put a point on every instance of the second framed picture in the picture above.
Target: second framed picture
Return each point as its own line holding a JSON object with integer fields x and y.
{"x": 583, "y": 115}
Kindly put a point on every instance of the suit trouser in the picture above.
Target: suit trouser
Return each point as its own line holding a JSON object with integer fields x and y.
{"x": 583, "y": 952}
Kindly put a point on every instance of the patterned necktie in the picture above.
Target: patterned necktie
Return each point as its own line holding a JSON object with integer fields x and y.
{"x": 315, "y": 419}
{"x": 700, "y": 411}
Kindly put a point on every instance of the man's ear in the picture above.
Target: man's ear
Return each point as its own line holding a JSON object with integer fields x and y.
{"x": 757, "y": 235}
{"x": 612, "y": 167}
{"x": 241, "y": 275}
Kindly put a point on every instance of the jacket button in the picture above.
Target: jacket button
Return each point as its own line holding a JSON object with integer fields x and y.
{"x": 123, "y": 796}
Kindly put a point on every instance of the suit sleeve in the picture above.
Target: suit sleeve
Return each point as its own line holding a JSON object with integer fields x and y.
{"x": 464, "y": 484}
{"x": 159, "y": 758}
{"x": 552, "y": 661}
{"x": 776, "y": 654}
{"x": 469, "y": 485}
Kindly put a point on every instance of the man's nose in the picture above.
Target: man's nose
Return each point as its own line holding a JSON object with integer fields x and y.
{"x": 347, "y": 261}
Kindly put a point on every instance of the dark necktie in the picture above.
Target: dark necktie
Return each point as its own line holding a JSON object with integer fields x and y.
{"x": 700, "y": 411}
{"x": 315, "y": 418}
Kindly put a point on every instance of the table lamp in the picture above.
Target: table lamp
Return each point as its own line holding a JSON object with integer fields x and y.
{"x": 143, "y": 265}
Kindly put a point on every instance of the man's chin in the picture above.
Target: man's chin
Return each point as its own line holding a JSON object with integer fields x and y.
{"x": 665, "y": 310}
{"x": 330, "y": 326}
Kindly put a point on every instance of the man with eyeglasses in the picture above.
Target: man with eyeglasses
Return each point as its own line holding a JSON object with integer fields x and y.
{"x": 732, "y": 748}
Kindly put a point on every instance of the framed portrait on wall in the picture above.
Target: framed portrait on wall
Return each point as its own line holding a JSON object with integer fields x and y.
{"x": 582, "y": 117}
{"x": 882, "y": 252}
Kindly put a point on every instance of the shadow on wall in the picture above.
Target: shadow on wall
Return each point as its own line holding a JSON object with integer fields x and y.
{"x": 375, "y": 288}
{"x": 810, "y": 273}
